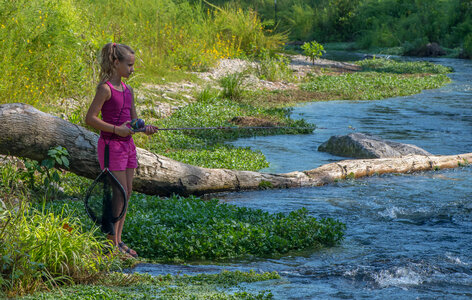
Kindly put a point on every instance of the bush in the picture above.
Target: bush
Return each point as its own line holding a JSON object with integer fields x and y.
{"x": 313, "y": 50}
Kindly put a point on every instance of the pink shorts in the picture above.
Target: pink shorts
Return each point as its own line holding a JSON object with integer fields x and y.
{"x": 122, "y": 154}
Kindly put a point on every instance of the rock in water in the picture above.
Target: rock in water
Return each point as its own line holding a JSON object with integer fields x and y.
{"x": 360, "y": 145}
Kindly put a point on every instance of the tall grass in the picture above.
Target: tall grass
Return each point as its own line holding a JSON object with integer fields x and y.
{"x": 40, "y": 250}
{"x": 49, "y": 48}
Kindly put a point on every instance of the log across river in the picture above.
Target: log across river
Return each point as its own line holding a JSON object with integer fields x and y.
{"x": 28, "y": 132}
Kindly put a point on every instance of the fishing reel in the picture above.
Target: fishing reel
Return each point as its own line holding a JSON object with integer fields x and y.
{"x": 138, "y": 125}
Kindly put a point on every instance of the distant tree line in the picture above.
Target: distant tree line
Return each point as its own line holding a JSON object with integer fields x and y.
{"x": 369, "y": 23}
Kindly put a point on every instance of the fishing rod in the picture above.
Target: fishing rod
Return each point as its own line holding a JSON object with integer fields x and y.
{"x": 138, "y": 125}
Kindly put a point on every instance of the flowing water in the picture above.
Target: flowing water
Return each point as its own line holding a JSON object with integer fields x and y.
{"x": 408, "y": 236}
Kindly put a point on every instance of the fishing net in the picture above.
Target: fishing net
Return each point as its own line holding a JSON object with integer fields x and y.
{"x": 105, "y": 201}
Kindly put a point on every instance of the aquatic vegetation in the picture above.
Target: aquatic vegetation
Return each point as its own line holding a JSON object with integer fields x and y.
{"x": 183, "y": 229}
{"x": 402, "y": 67}
{"x": 206, "y": 148}
{"x": 374, "y": 85}
{"x": 145, "y": 286}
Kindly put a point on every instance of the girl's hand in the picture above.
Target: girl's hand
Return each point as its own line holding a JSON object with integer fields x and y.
{"x": 150, "y": 129}
{"x": 123, "y": 130}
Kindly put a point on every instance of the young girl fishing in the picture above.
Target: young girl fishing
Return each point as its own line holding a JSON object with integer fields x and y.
{"x": 115, "y": 101}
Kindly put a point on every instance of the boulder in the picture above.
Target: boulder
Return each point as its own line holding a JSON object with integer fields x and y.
{"x": 427, "y": 50}
{"x": 360, "y": 145}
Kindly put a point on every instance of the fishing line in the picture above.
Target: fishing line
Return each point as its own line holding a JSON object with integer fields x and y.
{"x": 138, "y": 125}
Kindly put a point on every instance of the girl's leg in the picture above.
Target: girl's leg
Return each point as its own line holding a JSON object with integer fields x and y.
{"x": 121, "y": 176}
{"x": 129, "y": 189}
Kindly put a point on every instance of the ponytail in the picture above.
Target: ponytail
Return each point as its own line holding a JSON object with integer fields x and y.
{"x": 111, "y": 52}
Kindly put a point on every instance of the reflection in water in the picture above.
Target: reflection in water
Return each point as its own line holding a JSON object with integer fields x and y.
{"x": 408, "y": 236}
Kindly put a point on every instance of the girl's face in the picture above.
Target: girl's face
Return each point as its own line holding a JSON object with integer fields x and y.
{"x": 125, "y": 67}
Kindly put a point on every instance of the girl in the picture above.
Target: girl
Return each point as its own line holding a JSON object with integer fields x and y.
{"x": 114, "y": 100}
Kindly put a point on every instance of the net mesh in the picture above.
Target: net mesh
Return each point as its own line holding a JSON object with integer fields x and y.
{"x": 105, "y": 201}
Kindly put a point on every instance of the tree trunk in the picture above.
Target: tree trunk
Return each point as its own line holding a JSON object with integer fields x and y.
{"x": 27, "y": 132}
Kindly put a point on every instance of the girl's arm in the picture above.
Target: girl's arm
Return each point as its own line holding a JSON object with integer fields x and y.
{"x": 103, "y": 94}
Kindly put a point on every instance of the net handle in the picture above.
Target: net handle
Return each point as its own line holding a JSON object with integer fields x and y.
{"x": 106, "y": 156}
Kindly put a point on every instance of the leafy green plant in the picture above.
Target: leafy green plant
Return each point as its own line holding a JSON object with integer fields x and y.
{"x": 48, "y": 175}
{"x": 179, "y": 228}
{"x": 313, "y": 49}
{"x": 468, "y": 46}
{"x": 402, "y": 67}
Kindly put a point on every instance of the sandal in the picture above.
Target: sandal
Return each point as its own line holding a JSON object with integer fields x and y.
{"x": 127, "y": 250}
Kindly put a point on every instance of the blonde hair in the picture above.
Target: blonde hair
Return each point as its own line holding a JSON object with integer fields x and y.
{"x": 111, "y": 52}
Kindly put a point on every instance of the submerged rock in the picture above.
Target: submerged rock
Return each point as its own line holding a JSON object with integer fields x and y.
{"x": 360, "y": 145}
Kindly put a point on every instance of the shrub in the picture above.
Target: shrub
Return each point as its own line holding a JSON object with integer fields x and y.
{"x": 313, "y": 50}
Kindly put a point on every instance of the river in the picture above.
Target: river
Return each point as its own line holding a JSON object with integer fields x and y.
{"x": 408, "y": 236}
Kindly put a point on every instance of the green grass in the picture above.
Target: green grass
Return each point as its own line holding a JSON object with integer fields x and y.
{"x": 43, "y": 250}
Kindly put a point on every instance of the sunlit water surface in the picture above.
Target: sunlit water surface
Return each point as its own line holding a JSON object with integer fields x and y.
{"x": 408, "y": 236}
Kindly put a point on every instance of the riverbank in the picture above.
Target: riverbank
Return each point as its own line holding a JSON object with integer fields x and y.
{"x": 211, "y": 108}
{"x": 237, "y": 93}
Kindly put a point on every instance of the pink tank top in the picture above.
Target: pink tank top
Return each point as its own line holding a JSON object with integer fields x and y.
{"x": 117, "y": 110}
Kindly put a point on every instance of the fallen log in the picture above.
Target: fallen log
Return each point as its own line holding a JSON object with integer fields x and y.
{"x": 28, "y": 132}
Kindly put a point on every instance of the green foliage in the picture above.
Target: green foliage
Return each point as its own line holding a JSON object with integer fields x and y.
{"x": 381, "y": 79}
{"x": 46, "y": 172}
{"x": 468, "y": 46}
{"x": 265, "y": 185}
{"x": 145, "y": 286}
{"x": 399, "y": 67}
{"x": 41, "y": 250}
{"x": 40, "y": 43}
{"x": 273, "y": 67}
{"x": 374, "y": 85}
{"x": 232, "y": 85}
{"x": 313, "y": 49}
{"x": 206, "y": 148}
{"x": 221, "y": 156}
{"x": 191, "y": 229}
{"x": 12, "y": 179}
{"x": 50, "y": 48}
{"x": 370, "y": 23}
{"x": 232, "y": 22}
